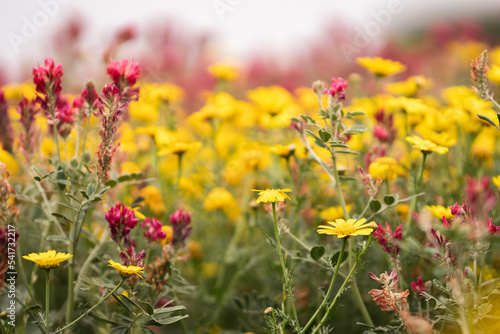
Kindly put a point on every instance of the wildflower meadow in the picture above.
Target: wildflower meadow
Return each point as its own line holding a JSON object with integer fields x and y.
{"x": 358, "y": 203}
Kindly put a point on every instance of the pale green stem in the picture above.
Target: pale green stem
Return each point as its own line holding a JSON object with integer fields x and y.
{"x": 47, "y": 300}
{"x": 92, "y": 308}
{"x": 418, "y": 184}
{"x": 87, "y": 126}
{"x": 286, "y": 279}
{"x": 330, "y": 288}
{"x": 339, "y": 291}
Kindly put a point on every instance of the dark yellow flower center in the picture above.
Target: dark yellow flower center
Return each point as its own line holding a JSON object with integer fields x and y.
{"x": 344, "y": 228}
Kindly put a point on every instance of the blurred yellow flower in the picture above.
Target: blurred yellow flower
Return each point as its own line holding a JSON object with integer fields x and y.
{"x": 381, "y": 67}
{"x": 220, "y": 198}
{"x": 179, "y": 148}
{"x": 168, "y": 236}
{"x": 385, "y": 168}
{"x": 352, "y": 227}
{"x": 9, "y": 161}
{"x": 496, "y": 181}
{"x": 426, "y": 146}
{"x": 494, "y": 74}
{"x": 130, "y": 167}
{"x": 48, "y": 260}
{"x": 223, "y": 72}
{"x": 272, "y": 195}
{"x": 153, "y": 200}
{"x": 439, "y": 211}
{"x": 126, "y": 271}
{"x": 271, "y": 100}
{"x": 195, "y": 250}
{"x": 334, "y": 212}
{"x": 16, "y": 91}
{"x": 409, "y": 87}
{"x": 403, "y": 211}
{"x": 483, "y": 146}
{"x": 282, "y": 150}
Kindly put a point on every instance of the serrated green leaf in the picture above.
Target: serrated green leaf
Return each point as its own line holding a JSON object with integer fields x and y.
{"x": 375, "y": 205}
{"x": 317, "y": 252}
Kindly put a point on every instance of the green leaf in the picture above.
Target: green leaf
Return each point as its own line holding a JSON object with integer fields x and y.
{"x": 73, "y": 198}
{"x": 391, "y": 199}
{"x": 124, "y": 178}
{"x": 146, "y": 307}
{"x": 335, "y": 258}
{"x": 90, "y": 189}
{"x": 409, "y": 198}
{"x": 317, "y": 252}
{"x": 104, "y": 190}
{"x": 57, "y": 238}
{"x": 347, "y": 152}
{"x": 84, "y": 194}
{"x": 171, "y": 320}
{"x": 169, "y": 309}
{"x": 324, "y": 135}
{"x": 312, "y": 134}
{"x": 487, "y": 119}
{"x": 356, "y": 113}
{"x": 375, "y": 205}
{"x": 61, "y": 216}
{"x": 111, "y": 183}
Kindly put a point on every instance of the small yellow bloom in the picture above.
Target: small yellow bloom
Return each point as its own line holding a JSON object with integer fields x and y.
{"x": 352, "y": 227}
{"x": 426, "y": 146}
{"x": 153, "y": 200}
{"x": 272, "y": 195}
{"x": 124, "y": 271}
{"x": 385, "y": 168}
{"x": 48, "y": 260}
{"x": 439, "y": 211}
{"x": 496, "y": 181}
{"x": 168, "y": 236}
{"x": 381, "y": 67}
{"x": 220, "y": 198}
{"x": 494, "y": 74}
{"x": 403, "y": 210}
{"x": 223, "y": 72}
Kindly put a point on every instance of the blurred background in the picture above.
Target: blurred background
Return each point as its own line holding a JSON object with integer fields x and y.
{"x": 289, "y": 43}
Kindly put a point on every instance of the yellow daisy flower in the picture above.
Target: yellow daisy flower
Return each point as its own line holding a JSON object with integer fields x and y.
{"x": 381, "y": 67}
{"x": 352, "y": 227}
{"x": 124, "y": 271}
{"x": 426, "y": 146}
{"x": 48, "y": 260}
{"x": 385, "y": 168}
{"x": 496, "y": 181}
{"x": 272, "y": 195}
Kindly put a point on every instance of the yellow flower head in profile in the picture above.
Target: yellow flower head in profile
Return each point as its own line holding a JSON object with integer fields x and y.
{"x": 381, "y": 67}
{"x": 439, "y": 211}
{"x": 282, "y": 150}
{"x": 179, "y": 148}
{"x": 48, "y": 260}
{"x": 272, "y": 195}
{"x": 352, "y": 227}
{"x": 223, "y": 72}
{"x": 385, "y": 168}
{"x": 426, "y": 146}
{"x": 124, "y": 271}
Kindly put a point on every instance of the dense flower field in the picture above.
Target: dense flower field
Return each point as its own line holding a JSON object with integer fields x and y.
{"x": 361, "y": 204}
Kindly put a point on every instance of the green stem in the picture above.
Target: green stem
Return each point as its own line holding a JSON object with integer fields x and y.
{"x": 179, "y": 173}
{"x": 92, "y": 308}
{"x": 418, "y": 184}
{"x": 339, "y": 291}
{"x": 47, "y": 300}
{"x": 286, "y": 279}
{"x": 87, "y": 126}
{"x": 330, "y": 288}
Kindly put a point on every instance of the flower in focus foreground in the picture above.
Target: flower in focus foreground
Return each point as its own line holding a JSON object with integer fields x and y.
{"x": 126, "y": 271}
{"x": 352, "y": 227}
{"x": 272, "y": 195}
{"x": 381, "y": 67}
{"x": 48, "y": 260}
{"x": 426, "y": 146}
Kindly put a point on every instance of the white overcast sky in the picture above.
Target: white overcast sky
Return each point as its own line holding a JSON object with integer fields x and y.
{"x": 245, "y": 25}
